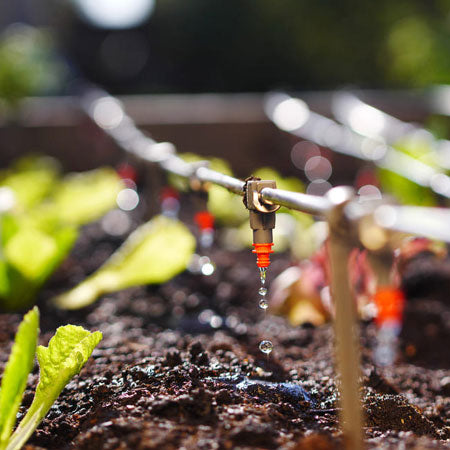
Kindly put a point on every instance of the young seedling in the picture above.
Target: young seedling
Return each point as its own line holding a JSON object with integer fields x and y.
{"x": 67, "y": 352}
{"x": 154, "y": 253}
{"x": 38, "y": 233}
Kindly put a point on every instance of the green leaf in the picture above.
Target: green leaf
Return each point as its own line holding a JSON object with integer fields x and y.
{"x": 84, "y": 197}
{"x": 30, "y": 257}
{"x": 30, "y": 252}
{"x": 67, "y": 352}
{"x": 40, "y": 231}
{"x": 154, "y": 253}
{"x": 405, "y": 191}
{"x": 15, "y": 376}
{"x": 31, "y": 178}
{"x": 4, "y": 281}
{"x": 226, "y": 207}
{"x": 286, "y": 183}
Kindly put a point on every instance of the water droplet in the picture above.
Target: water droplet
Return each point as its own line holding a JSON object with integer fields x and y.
{"x": 207, "y": 269}
{"x": 262, "y": 291}
{"x": 266, "y": 347}
{"x": 262, "y": 274}
{"x": 263, "y": 304}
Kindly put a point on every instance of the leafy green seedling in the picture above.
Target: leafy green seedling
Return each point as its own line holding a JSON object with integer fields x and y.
{"x": 15, "y": 376}
{"x": 67, "y": 352}
{"x": 154, "y": 253}
{"x": 40, "y": 231}
{"x": 83, "y": 197}
{"x": 29, "y": 258}
{"x": 31, "y": 178}
{"x": 404, "y": 190}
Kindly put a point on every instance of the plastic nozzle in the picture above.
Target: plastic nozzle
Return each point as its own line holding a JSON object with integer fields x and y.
{"x": 168, "y": 192}
{"x": 204, "y": 220}
{"x": 263, "y": 252}
{"x": 390, "y": 302}
{"x": 127, "y": 172}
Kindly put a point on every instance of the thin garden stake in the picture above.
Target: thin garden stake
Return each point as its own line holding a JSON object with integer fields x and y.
{"x": 347, "y": 345}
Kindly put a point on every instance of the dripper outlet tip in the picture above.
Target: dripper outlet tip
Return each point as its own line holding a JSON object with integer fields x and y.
{"x": 263, "y": 252}
{"x": 390, "y": 302}
{"x": 204, "y": 220}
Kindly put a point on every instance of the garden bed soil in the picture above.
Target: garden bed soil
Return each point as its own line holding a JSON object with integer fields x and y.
{"x": 179, "y": 366}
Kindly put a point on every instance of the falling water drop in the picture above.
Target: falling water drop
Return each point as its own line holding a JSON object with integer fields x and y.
{"x": 262, "y": 274}
{"x": 263, "y": 304}
{"x": 262, "y": 291}
{"x": 266, "y": 347}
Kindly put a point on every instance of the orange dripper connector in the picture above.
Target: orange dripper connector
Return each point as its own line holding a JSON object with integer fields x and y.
{"x": 204, "y": 220}
{"x": 263, "y": 252}
{"x": 390, "y": 302}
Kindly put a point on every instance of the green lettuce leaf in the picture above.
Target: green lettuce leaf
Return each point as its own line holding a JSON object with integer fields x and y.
{"x": 31, "y": 178}
{"x": 20, "y": 364}
{"x": 40, "y": 231}
{"x": 29, "y": 258}
{"x": 84, "y": 197}
{"x": 154, "y": 253}
{"x": 405, "y": 191}
{"x": 67, "y": 352}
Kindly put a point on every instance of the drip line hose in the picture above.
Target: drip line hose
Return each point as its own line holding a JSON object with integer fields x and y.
{"x": 107, "y": 112}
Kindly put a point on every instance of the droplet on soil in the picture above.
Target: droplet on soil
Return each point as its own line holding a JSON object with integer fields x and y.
{"x": 263, "y": 304}
{"x": 262, "y": 291}
{"x": 266, "y": 347}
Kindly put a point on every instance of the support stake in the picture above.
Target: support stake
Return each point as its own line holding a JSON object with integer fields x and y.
{"x": 347, "y": 342}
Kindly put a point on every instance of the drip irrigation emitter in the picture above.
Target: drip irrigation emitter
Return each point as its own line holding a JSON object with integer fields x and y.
{"x": 170, "y": 202}
{"x": 262, "y": 219}
{"x": 204, "y": 220}
{"x": 388, "y": 298}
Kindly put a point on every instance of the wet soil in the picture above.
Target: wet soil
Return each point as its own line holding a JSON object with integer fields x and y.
{"x": 179, "y": 367}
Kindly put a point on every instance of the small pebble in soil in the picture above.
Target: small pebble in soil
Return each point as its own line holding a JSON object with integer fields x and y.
{"x": 263, "y": 304}
{"x": 262, "y": 291}
{"x": 266, "y": 346}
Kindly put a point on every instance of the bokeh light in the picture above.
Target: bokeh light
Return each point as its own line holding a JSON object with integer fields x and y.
{"x": 291, "y": 114}
{"x": 115, "y": 14}
{"x": 318, "y": 168}
{"x": 127, "y": 199}
{"x": 302, "y": 151}
{"x": 318, "y": 187}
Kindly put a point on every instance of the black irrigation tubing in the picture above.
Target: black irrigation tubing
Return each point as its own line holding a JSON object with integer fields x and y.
{"x": 108, "y": 113}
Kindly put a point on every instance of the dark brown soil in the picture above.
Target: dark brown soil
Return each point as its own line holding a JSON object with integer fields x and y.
{"x": 179, "y": 367}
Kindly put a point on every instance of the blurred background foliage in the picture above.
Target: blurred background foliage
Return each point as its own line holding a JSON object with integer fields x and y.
{"x": 40, "y": 226}
{"x": 231, "y": 46}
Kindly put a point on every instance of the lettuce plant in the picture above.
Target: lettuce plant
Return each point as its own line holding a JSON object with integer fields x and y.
{"x": 39, "y": 232}
{"x": 154, "y": 253}
{"x": 67, "y": 352}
